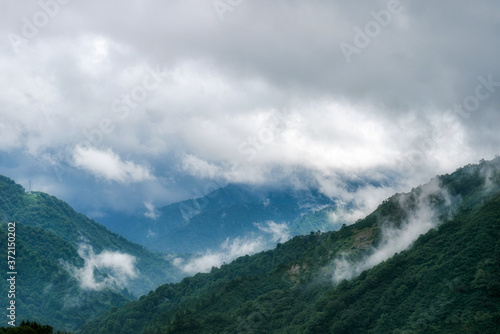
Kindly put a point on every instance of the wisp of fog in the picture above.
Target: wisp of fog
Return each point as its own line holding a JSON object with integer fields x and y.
{"x": 394, "y": 238}
{"x": 116, "y": 269}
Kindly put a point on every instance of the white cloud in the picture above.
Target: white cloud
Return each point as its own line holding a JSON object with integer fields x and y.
{"x": 198, "y": 167}
{"x": 363, "y": 200}
{"x": 227, "y": 252}
{"x": 108, "y": 165}
{"x": 232, "y": 249}
{"x": 216, "y": 110}
{"x": 278, "y": 232}
{"x": 116, "y": 269}
{"x": 344, "y": 215}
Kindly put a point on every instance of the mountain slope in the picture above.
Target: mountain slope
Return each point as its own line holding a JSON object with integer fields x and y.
{"x": 72, "y": 268}
{"x": 349, "y": 281}
{"x": 51, "y": 214}
{"x": 46, "y": 290}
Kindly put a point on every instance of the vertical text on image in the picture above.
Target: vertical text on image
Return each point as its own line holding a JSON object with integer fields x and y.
{"x": 11, "y": 273}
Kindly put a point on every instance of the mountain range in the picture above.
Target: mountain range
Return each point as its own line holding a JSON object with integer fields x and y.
{"x": 70, "y": 267}
{"x": 426, "y": 261}
{"x": 78, "y": 268}
{"x": 234, "y": 211}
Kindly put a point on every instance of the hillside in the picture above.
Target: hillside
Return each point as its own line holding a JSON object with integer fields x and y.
{"x": 375, "y": 276}
{"x": 47, "y": 292}
{"x": 70, "y": 267}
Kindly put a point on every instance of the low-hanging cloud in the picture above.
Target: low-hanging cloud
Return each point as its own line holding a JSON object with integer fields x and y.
{"x": 228, "y": 251}
{"x": 278, "y": 232}
{"x": 114, "y": 269}
{"x": 353, "y": 205}
{"x": 394, "y": 238}
{"x": 108, "y": 165}
{"x": 232, "y": 249}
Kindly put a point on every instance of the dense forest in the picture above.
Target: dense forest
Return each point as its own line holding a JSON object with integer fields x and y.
{"x": 53, "y": 215}
{"x": 49, "y": 236}
{"x": 46, "y": 291}
{"x": 30, "y": 327}
{"x": 448, "y": 281}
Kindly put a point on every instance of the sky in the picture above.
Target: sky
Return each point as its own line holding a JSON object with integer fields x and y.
{"x": 133, "y": 104}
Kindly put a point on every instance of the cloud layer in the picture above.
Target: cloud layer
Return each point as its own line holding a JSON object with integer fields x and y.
{"x": 153, "y": 98}
{"x": 108, "y": 165}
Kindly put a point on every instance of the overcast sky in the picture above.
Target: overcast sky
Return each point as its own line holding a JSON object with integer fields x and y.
{"x": 113, "y": 104}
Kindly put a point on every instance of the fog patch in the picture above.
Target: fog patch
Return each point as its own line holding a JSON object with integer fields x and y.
{"x": 490, "y": 173}
{"x": 277, "y": 232}
{"x": 344, "y": 214}
{"x": 105, "y": 270}
{"x": 422, "y": 217}
{"x": 228, "y": 251}
{"x": 232, "y": 249}
{"x": 354, "y": 204}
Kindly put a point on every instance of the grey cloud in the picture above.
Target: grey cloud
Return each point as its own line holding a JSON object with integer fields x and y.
{"x": 224, "y": 81}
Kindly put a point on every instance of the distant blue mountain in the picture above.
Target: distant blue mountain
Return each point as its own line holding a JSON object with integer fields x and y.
{"x": 234, "y": 211}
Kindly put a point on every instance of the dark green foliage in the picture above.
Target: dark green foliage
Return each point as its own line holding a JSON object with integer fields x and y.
{"x": 447, "y": 282}
{"x": 46, "y": 291}
{"x": 47, "y": 212}
{"x": 30, "y": 327}
{"x": 48, "y": 234}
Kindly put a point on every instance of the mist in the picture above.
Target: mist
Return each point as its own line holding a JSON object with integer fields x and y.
{"x": 277, "y": 232}
{"x": 396, "y": 238}
{"x": 231, "y": 249}
{"x": 105, "y": 270}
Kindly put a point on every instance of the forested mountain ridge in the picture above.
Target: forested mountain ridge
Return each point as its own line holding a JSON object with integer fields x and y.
{"x": 51, "y": 214}
{"x": 46, "y": 290}
{"x": 360, "y": 279}
{"x": 70, "y": 267}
